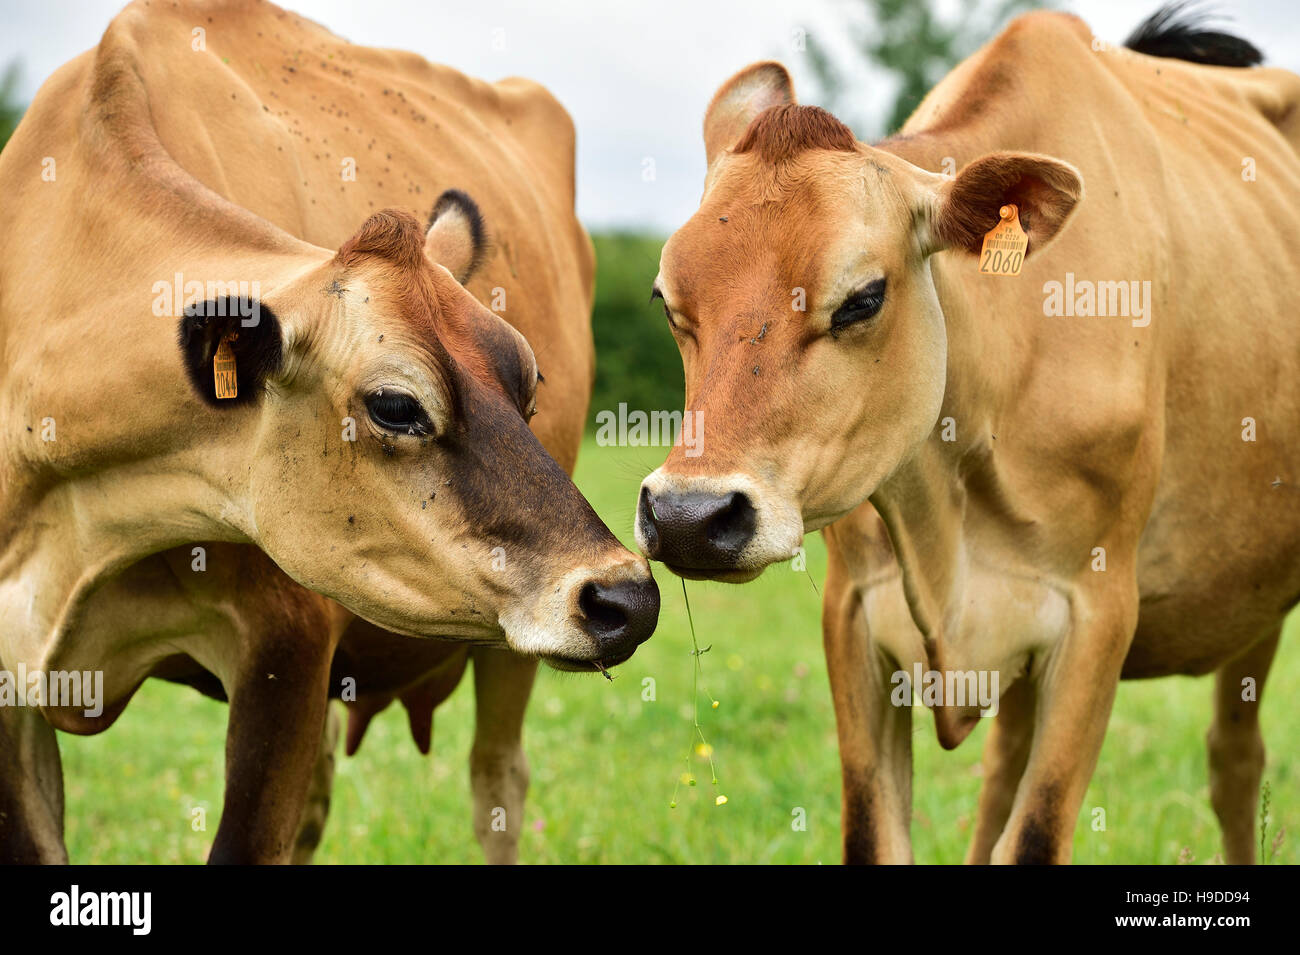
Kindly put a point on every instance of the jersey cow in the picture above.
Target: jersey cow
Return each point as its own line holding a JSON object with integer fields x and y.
{"x": 1055, "y": 479}
{"x": 238, "y": 379}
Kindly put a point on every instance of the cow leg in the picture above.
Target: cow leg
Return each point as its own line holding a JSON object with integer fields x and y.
{"x": 1075, "y": 693}
{"x": 498, "y": 770}
{"x": 277, "y": 719}
{"x": 312, "y": 826}
{"x": 875, "y": 737}
{"x": 1005, "y": 754}
{"x": 31, "y": 789}
{"x": 1236, "y": 749}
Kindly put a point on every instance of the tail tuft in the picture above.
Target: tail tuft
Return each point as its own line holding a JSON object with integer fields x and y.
{"x": 1180, "y": 31}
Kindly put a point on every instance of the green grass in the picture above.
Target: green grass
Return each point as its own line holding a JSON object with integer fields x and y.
{"x": 604, "y": 761}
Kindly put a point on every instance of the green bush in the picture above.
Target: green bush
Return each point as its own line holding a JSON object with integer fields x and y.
{"x": 636, "y": 358}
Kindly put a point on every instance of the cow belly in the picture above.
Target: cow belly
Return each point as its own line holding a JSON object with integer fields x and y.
{"x": 1210, "y": 613}
{"x": 1218, "y": 564}
{"x": 378, "y": 661}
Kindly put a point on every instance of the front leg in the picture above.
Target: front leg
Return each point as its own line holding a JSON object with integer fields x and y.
{"x": 1075, "y": 693}
{"x": 311, "y": 828}
{"x": 277, "y": 719}
{"x": 875, "y": 736}
{"x": 498, "y": 769}
{"x": 1005, "y": 754}
{"x": 31, "y": 789}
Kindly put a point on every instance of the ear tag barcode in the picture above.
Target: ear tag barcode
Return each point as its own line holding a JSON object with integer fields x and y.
{"x": 1004, "y": 245}
{"x": 223, "y": 370}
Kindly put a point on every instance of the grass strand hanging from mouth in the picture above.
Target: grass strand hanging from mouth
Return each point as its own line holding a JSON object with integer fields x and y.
{"x": 697, "y": 729}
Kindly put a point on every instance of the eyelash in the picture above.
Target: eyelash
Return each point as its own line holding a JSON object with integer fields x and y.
{"x": 861, "y": 306}
{"x": 385, "y": 410}
{"x": 656, "y": 294}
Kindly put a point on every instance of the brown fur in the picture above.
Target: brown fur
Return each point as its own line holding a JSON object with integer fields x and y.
{"x": 392, "y": 234}
{"x": 780, "y": 133}
{"x": 974, "y": 549}
{"x": 221, "y": 164}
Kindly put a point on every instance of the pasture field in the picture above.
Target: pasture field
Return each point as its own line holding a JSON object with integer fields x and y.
{"x": 604, "y": 761}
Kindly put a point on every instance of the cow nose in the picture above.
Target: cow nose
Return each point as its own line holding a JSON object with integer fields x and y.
{"x": 696, "y": 530}
{"x": 620, "y": 616}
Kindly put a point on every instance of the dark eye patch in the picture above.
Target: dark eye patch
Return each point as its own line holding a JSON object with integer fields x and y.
{"x": 860, "y": 306}
{"x": 398, "y": 413}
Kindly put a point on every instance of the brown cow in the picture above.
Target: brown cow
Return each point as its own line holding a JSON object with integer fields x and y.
{"x": 1011, "y": 485}
{"x": 340, "y": 416}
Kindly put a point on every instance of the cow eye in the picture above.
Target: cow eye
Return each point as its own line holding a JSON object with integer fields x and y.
{"x": 655, "y": 293}
{"x": 397, "y": 413}
{"x": 530, "y": 410}
{"x": 861, "y": 305}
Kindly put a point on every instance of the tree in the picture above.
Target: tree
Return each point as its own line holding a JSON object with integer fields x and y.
{"x": 915, "y": 42}
{"x": 11, "y": 110}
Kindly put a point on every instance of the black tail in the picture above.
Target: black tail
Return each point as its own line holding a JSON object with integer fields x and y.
{"x": 1179, "y": 31}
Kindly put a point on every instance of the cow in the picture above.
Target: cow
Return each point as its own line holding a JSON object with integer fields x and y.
{"x": 1055, "y": 497}
{"x": 256, "y": 411}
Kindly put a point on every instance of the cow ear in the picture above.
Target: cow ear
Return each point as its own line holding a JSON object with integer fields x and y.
{"x": 966, "y": 208}
{"x": 457, "y": 238}
{"x": 739, "y": 100}
{"x": 252, "y": 333}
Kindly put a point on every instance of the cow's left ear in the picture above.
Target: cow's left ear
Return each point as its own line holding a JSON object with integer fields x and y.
{"x": 253, "y": 338}
{"x": 965, "y": 209}
{"x": 457, "y": 238}
{"x": 739, "y": 100}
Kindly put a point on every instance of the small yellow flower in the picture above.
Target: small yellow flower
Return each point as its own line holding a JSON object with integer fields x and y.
{"x": 703, "y": 750}
{"x": 720, "y": 801}
{"x": 715, "y": 704}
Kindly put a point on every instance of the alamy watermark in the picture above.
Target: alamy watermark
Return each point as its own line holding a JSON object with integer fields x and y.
{"x": 947, "y": 688}
{"x": 172, "y": 299}
{"x": 70, "y": 689}
{"x": 1085, "y": 299}
{"x": 641, "y": 429}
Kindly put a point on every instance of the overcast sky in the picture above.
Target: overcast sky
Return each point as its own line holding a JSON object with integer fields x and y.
{"x": 636, "y": 76}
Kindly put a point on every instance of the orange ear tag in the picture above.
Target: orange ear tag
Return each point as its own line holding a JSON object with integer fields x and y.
{"x": 223, "y": 370}
{"x": 1004, "y": 246}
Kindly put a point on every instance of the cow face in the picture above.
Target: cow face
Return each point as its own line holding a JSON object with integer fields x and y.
{"x": 391, "y": 466}
{"x": 814, "y": 345}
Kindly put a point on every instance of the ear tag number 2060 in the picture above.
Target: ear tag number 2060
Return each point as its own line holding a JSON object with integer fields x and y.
{"x": 1004, "y": 246}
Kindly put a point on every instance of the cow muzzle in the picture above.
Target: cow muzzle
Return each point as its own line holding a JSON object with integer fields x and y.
{"x": 603, "y": 615}
{"x": 713, "y": 528}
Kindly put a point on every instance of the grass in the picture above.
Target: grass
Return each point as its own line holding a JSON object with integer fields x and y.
{"x": 605, "y": 760}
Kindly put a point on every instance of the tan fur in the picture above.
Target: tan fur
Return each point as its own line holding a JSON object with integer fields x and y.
{"x": 1070, "y": 433}
{"x": 224, "y": 163}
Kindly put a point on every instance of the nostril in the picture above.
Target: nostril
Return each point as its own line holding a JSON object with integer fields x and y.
{"x": 648, "y": 518}
{"x": 732, "y": 524}
{"x": 602, "y": 611}
{"x": 619, "y": 616}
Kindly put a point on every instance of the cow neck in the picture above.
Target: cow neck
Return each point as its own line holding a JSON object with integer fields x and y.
{"x": 925, "y": 499}
{"x": 166, "y": 470}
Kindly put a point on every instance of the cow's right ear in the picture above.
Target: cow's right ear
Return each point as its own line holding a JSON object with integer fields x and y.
{"x": 254, "y": 349}
{"x": 739, "y": 100}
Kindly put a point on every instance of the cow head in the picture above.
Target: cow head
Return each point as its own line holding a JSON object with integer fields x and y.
{"x": 389, "y": 461}
{"x": 814, "y": 345}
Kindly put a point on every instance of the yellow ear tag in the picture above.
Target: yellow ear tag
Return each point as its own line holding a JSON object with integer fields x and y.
{"x": 223, "y": 369}
{"x": 1004, "y": 246}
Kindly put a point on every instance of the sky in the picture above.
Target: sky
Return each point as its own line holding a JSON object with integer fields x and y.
{"x": 636, "y": 76}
